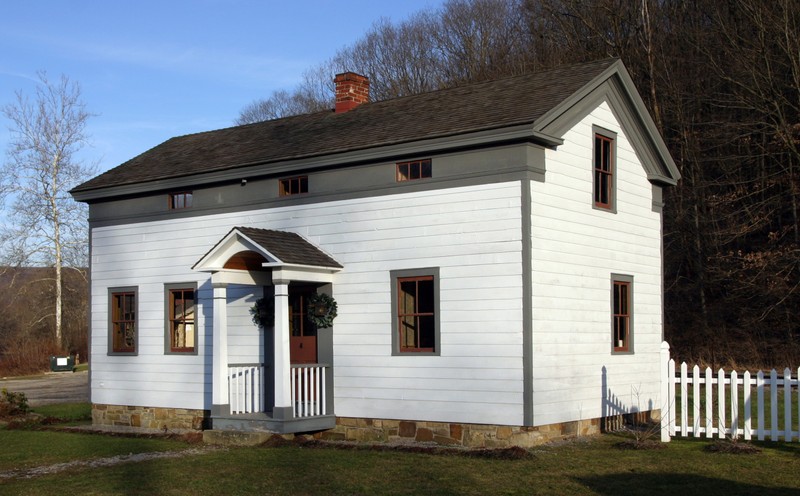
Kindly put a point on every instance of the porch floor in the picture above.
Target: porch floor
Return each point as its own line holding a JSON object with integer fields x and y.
{"x": 263, "y": 422}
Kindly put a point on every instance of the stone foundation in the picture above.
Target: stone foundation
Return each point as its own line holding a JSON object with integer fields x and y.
{"x": 454, "y": 434}
{"x": 154, "y": 418}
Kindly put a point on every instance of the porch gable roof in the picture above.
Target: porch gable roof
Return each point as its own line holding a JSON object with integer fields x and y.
{"x": 278, "y": 247}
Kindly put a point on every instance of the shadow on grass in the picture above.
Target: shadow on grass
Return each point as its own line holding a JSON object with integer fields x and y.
{"x": 675, "y": 483}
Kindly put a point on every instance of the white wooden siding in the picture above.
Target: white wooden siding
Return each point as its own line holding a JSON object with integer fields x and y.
{"x": 576, "y": 248}
{"x": 472, "y": 234}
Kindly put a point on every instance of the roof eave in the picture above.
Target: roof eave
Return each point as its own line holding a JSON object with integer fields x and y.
{"x": 475, "y": 139}
{"x": 619, "y": 73}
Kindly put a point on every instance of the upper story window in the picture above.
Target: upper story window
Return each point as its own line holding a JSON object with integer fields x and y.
{"x": 122, "y": 317}
{"x": 604, "y": 171}
{"x": 417, "y": 169}
{"x": 180, "y": 200}
{"x": 293, "y": 185}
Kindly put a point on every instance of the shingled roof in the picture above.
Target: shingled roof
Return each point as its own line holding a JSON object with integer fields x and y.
{"x": 447, "y": 112}
{"x": 289, "y": 247}
{"x": 286, "y": 248}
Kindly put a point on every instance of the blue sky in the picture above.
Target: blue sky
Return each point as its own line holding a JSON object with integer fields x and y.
{"x": 151, "y": 70}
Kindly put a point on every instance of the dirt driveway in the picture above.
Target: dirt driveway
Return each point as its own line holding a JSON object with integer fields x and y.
{"x": 54, "y": 387}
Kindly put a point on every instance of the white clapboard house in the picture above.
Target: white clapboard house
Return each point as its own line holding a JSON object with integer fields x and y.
{"x": 494, "y": 251}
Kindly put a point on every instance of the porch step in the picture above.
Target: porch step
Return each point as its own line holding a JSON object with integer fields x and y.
{"x": 235, "y": 438}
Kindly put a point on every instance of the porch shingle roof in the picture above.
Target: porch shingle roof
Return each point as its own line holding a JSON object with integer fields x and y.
{"x": 289, "y": 247}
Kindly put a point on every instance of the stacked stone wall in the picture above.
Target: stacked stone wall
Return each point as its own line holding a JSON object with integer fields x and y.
{"x": 454, "y": 434}
{"x": 164, "y": 419}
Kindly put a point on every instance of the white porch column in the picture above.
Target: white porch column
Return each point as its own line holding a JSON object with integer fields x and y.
{"x": 219, "y": 393}
{"x": 283, "y": 400}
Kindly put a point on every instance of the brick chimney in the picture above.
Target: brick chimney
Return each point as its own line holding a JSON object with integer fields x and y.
{"x": 351, "y": 91}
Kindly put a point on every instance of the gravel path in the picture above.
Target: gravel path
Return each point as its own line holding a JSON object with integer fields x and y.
{"x": 28, "y": 473}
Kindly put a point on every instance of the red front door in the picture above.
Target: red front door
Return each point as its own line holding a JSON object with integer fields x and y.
{"x": 303, "y": 340}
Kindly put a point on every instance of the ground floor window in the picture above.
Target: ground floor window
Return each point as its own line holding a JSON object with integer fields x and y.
{"x": 415, "y": 311}
{"x": 122, "y": 316}
{"x": 181, "y": 325}
{"x": 622, "y": 313}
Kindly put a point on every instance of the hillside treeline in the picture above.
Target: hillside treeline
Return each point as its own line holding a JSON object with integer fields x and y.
{"x": 722, "y": 82}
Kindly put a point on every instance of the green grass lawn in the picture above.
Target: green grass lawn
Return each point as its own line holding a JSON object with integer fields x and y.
{"x": 586, "y": 466}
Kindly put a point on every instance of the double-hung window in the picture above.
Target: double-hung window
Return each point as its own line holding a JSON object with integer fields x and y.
{"x": 123, "y": 333}
{"x": 604, "y": 170}
{"x": 415, "y": 311}
{"x": 181, "y": 314}
{"x": 622, "y": 313}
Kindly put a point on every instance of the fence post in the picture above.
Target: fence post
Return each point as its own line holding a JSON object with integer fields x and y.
{"x": 666, "y": 401}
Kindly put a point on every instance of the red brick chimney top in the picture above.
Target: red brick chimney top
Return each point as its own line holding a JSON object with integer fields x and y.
{"x": 351, "y": 91}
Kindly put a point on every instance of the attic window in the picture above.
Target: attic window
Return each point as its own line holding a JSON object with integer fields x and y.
{"x": 294, "y": 185}
{"x": 178, "y": 201}
{"x": 604, "y": 164}
{"x": 417, "y": 169}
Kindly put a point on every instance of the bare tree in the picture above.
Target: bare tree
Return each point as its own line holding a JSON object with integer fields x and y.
{"x": 43, "y": 225}
{"x": 481, "y": 39}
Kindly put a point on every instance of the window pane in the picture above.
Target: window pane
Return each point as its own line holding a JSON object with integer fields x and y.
{"x": 189, "y": 335}
{"x": 129, "y": 308}
{"x": 425, "y": 300}
{"x": 402, "y": 172}
{"x": 598, "y": 153}
{"x": 304, "y": 184}
{"x": 426, "y": 169}
{"x": 606, "y": 162}
{"x": 128, "y": 334}
{"x": 427, "y": 332}
{"x": 188, "y": 304}
{"x": 414, "y": 170}
{"x": 408, "y": 332}
{"x": 408, "y": 293}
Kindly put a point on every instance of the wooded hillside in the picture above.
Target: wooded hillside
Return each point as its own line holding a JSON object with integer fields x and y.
{"x": 722, "y": 82}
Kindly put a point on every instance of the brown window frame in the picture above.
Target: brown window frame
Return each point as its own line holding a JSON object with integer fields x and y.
{"x": 172, "y": 320}
{"x": 622, "y": 314}
{"x": 414, "y": 170}
{"x": 290, "y": 186}
{"x": 400, "y": 316}
{"x": 604, "y": 155}
{"x": 180, "y": 200}
{"x": 120, "y": 318}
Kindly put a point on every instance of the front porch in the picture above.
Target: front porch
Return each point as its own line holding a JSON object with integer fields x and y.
{"x": 250, "y": 399}
{"x": 279, "y": 394}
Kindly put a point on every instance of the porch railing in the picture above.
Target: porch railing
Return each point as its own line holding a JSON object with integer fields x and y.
{"x": 247, "y": 386}
{"x": 309, "y": 390}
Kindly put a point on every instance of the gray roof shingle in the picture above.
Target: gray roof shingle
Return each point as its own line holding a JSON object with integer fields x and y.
{"x": 289, "y": 247}
{"x": 474, "y": 107}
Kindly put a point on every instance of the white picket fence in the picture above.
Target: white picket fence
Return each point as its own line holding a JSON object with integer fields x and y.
{"x": 702, "y": 403}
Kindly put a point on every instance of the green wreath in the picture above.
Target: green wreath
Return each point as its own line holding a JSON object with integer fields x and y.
{"x": 263, "y": 312}
{"x": 321, "y": 310}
